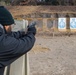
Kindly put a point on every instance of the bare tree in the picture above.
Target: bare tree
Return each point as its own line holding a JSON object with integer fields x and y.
{"x": 23, "y": 2}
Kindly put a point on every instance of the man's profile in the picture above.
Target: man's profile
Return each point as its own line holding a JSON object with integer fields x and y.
{"x": 13, "y": 44}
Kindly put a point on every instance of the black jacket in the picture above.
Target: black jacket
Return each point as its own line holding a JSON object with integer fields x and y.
{"x": 13, "y": 45}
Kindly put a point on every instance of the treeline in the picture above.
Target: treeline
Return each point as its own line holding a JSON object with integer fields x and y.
{"x": 5, "y": 2}
{"x": 59, "y": 2}
{"x": 41, "y": 2}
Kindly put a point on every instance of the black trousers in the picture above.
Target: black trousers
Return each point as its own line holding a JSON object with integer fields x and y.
{"x": 2, "y": 71}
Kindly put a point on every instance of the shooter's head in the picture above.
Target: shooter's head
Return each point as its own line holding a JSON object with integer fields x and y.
{"x": 6, "y": 19}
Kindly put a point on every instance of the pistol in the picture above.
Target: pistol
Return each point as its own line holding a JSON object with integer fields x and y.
{"x": 32, "y": 24}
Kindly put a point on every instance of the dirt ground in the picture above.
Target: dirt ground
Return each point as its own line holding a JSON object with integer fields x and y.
{"x": 53, "y": 56}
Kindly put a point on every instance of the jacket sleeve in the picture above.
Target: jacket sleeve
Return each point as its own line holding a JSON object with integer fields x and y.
{"x": 14, "y": 48}
{"x": 17, "y": 34}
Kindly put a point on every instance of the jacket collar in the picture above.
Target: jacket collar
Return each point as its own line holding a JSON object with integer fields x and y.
{"x": 1, "y": 30}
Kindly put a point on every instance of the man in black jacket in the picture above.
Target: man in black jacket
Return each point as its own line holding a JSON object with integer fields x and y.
{"x": 12, "y": 44}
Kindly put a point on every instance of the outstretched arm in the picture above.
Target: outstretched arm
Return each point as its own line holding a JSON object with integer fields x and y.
{"x": 17, "y": 34}
{"x": 13, "y": 48}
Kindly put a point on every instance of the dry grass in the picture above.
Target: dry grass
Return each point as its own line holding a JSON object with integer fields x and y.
{"x": 39, "y": 48}
{"x": 24, "y": 10}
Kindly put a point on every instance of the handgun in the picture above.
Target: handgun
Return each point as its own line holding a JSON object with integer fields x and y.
{"x": 32, "y": 24}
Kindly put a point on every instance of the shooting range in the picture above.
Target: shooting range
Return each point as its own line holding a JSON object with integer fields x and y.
{"x": 24, "y": 65}
{"x": 54, "y": 51}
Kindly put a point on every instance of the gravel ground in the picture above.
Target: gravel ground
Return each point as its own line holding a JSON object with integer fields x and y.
{"x": 58, "y": 56}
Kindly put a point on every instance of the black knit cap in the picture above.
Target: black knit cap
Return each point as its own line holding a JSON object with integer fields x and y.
{"x": 5, "y": 16}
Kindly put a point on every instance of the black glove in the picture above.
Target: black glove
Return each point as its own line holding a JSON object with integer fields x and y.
{"x": 31, "y": 27}
{"x": 32, "y": 30}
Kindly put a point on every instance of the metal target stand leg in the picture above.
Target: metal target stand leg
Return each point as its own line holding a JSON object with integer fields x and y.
{"x": 7, "y": 70}
{"x": 26, "y": 62}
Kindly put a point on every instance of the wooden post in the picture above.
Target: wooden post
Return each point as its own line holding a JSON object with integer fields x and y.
{"x": 45, "y": 25}
{"x": 68, "y": 23}
{"x": 53, "y": 28}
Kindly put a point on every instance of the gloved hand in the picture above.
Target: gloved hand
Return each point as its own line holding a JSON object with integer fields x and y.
{"x": 31, "y": 27}
{"x": 32, "y": 30}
